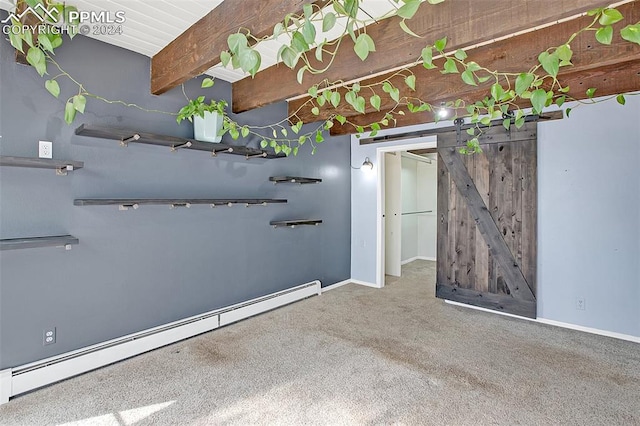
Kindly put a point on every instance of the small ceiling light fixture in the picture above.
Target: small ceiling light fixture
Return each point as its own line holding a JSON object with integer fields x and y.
{"x": 443, "y": 111}
{"x": 367, "y": 165}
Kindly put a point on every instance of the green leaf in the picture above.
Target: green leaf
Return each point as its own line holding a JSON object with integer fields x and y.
{"x": 15, "y": 40}
{"x": 440, "y": 44}
{"x": 407, "y": 30}
{"x": 523, "y": 82}
{"x": 278, "y": 29}
{"x": 341, "y": 119}
{"x": 590, "y": 92}
{"x": 300, "y": 74}
{"x": 375, "y": 102}
{"x": 309, "y": 32}
{"x": 36, "y": 58}
{"x": 560, "y": 101}
{"x": 313, "y": 91}
{"x": 550, "y": 62}
{"x": 395, "y": 94}
{"x": 328, "y": 21}
{"x": 321, "y": 100}
{"x": 237, "y": 42}
{"x": 410, "y": 81}
{"x": 435, "y": 1}
{"x": 44, "y": 42}
{"x": 450, "y": 67}
{"x": 351, "y": 7}
{"x": 319, "y": 137}
{"x": 299, "y": 43}
{"x": 263, "y": 143}
{"x": 594, "y": 12}
{"x": 315, "y": 111}
{"x": 69, "y": 112}
{"x": 225, "y": 57}
{"x": 610, "y": 16}
{"x": 249, "y": 61}
{"x": 520, "y": 122}
{"x": 471, "y": 131}
{"x": 467, "y": 77}
{"x": 564, "y": 53}
{"x": 408, "y": 9}
{"x": 538, "y": 100}
{"x": 206, "y": 83}
{"x": 335, "y": 99}
{"x": 359, "y": 105}
{"x": 245, "y": 131}
{"x": 295, "y": 151}
{"x": 289, "y": 57}
{"x": 427, "y": 58}
{"x": 53, "y": 87}
{"x": 506, "y": 123}
{"x": 631, "y": 33}
{"x": 604, "y": 35}
{"x": 364, "y": 44}
{"x": 307, "y": 9}
{"x": 461, "y": 54}
{"x": 621, "y": 100}
{"x": 79, "y": 103}
{"x": 497, "y": 91}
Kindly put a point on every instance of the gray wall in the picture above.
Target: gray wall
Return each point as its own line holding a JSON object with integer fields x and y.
{"x": 142, "y": 268}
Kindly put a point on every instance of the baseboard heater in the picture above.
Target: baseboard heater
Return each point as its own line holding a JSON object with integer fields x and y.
{"x": 18, "y": 380}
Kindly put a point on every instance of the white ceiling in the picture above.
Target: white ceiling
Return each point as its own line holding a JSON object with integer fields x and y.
{"x": 151, "y": 25}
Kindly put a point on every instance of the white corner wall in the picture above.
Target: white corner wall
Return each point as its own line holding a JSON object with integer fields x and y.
{"x": 588, "y": 212}
{"x": 589, "y": 217}
{"x": 427, "y": 200}
{"x": 409, "y": 186}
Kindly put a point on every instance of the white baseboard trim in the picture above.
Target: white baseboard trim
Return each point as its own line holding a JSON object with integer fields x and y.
{"x": 635, "y": 339}
{"x": 18, "y": 380}
{"x": 5, "y": 386}
{"x": 606, "y": 333}
{"x": 404, "y": 262}
{"x": 365, "y": 283}
{"x": 336, "y": 285}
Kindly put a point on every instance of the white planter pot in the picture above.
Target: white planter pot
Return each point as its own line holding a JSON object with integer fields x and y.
{"x": 206, "y": 129}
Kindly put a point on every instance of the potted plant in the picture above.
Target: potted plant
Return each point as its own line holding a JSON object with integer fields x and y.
{"x": 207, "y": 119}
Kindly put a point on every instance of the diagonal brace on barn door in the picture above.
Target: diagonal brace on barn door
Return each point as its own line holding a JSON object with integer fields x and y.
{"x": 498, "y": 248}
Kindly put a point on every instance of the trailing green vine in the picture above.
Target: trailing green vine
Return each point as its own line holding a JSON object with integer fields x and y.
{"x": 537, "y": 85}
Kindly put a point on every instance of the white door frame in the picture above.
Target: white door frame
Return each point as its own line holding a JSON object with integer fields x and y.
{"x": 426, "y": 142}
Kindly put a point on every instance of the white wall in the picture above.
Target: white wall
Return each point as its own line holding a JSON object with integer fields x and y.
{"x": 589, "y": 217}
{"x": 427, "y": 200}
{"x": 588, "y": 211}
{"x": 409, "y": 204}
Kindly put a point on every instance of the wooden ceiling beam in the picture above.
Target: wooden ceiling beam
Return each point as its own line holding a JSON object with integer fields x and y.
{"x": 464, "y": 22}
{"x": 515, "y": 54}
{"x": 623, "y": 77}
{"x": 198, "y": 48}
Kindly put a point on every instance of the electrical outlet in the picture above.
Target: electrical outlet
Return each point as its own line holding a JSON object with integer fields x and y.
{"x": 581, "y": 304}
{"x": 45, "y": 149}
{"x": 49, "y": 336}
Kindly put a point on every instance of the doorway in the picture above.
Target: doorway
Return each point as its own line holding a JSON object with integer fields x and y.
{"x": 405, "y": 212}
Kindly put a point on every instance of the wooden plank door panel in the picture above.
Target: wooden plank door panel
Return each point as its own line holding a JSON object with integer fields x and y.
{"x": 487, "y": 222}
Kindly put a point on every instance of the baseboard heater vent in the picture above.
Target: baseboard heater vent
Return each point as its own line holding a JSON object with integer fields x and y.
{"x": 18, "y": 380}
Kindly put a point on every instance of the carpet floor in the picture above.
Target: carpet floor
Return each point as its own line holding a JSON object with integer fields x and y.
{"x": 357, "y": 355}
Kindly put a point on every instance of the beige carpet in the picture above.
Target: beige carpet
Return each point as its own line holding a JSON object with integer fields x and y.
{"x": 357, "y": 355}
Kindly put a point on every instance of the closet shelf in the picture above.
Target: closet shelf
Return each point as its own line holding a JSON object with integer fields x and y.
{"x": 60, "y": 166}
{"x": 126, "y": 137}
{"x": 294, "y": 223}
{"x": 134, "y": 203}
{"x": 34, "y": 242}
{"x": 293, "y": 179}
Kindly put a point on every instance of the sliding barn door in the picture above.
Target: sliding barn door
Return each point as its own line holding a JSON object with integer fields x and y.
{"x": 486, "y": 254}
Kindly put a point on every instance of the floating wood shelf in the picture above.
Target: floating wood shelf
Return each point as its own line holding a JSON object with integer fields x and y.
{"x": 65, "y": 241}
{"x": 60, "y": 166}
{"x": 293, "y": 179}
{"x": 126, "y": 203}
{"x": 125, "y": 137}
{"x": 294, "y": 223}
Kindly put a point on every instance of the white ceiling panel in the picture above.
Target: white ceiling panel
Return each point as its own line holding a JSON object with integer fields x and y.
{"x": 150, "y": 25}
